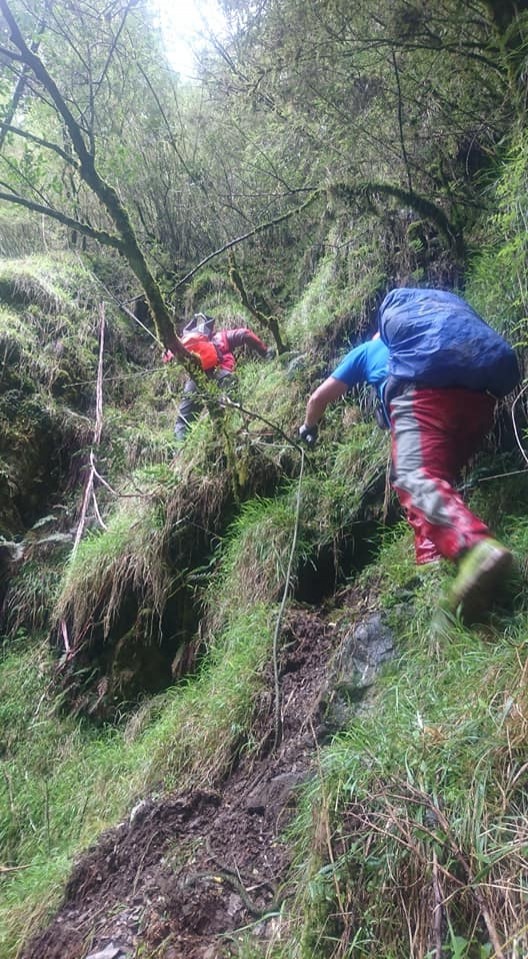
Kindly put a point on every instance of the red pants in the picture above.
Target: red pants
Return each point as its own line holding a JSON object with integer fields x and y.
{"x": 434, "y": 434}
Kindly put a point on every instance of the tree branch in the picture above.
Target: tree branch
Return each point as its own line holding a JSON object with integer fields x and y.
{"x": 127, "y": 241}
{"x": 171, "y": 137}
{"x": 422, "y": 205}
{"x": 108, "y": 239}
{"x": 9, "y": 128}
{"x": 15, "y": 168}
{"x": 18, "y": 92}
{"x": 11, "y": 55}
{"x": 269, "y": 322}
{"x": 400, "y": 120}
{"x": 36, "y": 65}
{"x": 239, "y": 239}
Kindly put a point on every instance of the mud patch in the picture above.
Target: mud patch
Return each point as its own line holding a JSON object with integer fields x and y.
{"x": 181, "y": 875}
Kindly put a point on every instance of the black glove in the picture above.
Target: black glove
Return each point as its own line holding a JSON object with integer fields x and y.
{"x": 270, "y": 353}
{"x": 308, "y": 434}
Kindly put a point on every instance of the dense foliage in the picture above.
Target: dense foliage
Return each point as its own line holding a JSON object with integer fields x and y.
{"x": 325, "y": 152}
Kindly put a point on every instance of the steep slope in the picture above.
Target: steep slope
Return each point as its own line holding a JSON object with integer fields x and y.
{"x": 186, "y": 870}
{"x": 195, "y": 874}
{"x": 381, "y": 803}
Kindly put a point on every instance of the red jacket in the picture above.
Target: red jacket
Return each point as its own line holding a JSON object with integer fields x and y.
{"x": 228, "y": 340}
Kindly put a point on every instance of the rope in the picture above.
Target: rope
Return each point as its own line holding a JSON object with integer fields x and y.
{"x": 138, "y": 321}
{"x": 89, "y": 485}
{"x": 277, "y": 714}
{"x": 487, "y": 479}
{"x": 257, "y": 416}
{"x": 122, "y": 306}
{"x": 277, "y": 723}
{"x": 515, "y": 430}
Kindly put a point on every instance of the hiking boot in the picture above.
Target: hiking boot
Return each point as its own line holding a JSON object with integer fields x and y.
{"x": 482, "y": 575}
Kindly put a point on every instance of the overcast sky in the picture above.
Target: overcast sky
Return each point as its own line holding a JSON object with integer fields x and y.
{"x": 183, "y": 23}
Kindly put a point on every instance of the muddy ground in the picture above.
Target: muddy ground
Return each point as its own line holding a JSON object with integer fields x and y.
{"x": 184, "y": 875}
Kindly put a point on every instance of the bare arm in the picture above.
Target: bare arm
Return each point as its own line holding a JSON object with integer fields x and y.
{"x": 330, "y": 390}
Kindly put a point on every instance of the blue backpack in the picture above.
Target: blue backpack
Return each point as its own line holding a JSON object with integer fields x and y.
{"x": 436, "y": 339}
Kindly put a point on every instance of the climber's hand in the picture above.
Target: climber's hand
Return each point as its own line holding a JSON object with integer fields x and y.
{"x": 308, "y": 435}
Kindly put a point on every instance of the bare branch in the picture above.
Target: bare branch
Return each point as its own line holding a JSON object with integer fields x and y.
{"x": 245, "y": 236}
{"x": 88, "y": 488}
{"x": 172, "y": 139}
{"x": 400, "y": 120}
{"x": 113, "y": 46}
{"x": 18, "y": 92}
{"x": 39, "y": 70}
{"x": 11, "y": 54}
{"x": 22, "y": 176}
{"x": 9, "y": 128}
{"x": 100, "y": 235}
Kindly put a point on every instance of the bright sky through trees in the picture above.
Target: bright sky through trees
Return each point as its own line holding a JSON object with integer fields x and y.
{"x": 186, "y": 26}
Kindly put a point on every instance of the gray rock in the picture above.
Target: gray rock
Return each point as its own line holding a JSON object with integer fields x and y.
{"x": 357, "y": 663}
{"x": 109, "y": 952}
{"x": 364, "y": 650}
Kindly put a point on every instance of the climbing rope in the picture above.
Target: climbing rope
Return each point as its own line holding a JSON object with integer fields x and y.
{"x": 226, "y": 401}
{"x": 515, "y": 430}
{"x": 277, "y": 724}
{"x": 277, "y": 720}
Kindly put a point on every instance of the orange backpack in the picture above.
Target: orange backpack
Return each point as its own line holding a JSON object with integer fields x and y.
{"x": 202, "y": 347}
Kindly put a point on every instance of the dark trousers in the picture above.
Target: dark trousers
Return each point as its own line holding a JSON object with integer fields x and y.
{"x": 192, "y": 400}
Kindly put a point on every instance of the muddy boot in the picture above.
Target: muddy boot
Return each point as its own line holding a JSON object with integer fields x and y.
{"x": 483, "y": 576}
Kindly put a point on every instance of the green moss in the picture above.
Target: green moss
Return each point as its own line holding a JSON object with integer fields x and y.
{"x": 446, "y": 729}
{"x": 254, "y": 561}
{"x": 14, "y": 332}
{"x": 208, "y": 719}
{"x": 59, "y": 777}
{"x": 108, "y": 561}
{"x": 496, "y": 282}
{"x": 338, "y": 295}
{"x": 47, "y": 283}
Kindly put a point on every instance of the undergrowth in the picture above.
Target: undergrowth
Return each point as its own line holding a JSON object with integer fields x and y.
{"x": 420, "y": 807}
{"x": 70, "y": 780}
{"x": 412, "y": 837}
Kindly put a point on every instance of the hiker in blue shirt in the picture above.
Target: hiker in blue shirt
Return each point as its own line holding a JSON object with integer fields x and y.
{"x": 366, "y": 363}
{"x": 438, "y": 371}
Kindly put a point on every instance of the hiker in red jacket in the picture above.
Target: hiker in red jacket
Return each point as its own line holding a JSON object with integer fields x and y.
{"x": 216, "y": 352}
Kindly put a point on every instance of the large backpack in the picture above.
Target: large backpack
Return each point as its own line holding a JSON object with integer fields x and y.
{"x": 436, "y": 339}
{"x": 202, "y": 347}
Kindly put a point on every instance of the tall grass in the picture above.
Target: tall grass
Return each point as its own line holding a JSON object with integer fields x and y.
{"x": 497, "y": 281}
{"x": 64, "y": 781}
{"x": 413, "y": 837}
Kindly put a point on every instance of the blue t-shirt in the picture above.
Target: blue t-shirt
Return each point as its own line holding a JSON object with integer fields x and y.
{"x": 366, "y": 363}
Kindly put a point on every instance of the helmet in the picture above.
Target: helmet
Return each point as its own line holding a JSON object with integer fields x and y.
{"x": 200, "y": 323}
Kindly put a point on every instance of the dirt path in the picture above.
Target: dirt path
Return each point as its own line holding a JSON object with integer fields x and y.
{"x": 180, "y": 876}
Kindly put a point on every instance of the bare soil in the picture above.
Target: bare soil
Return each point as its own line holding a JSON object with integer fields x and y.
{"x": 183, "y": 875}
